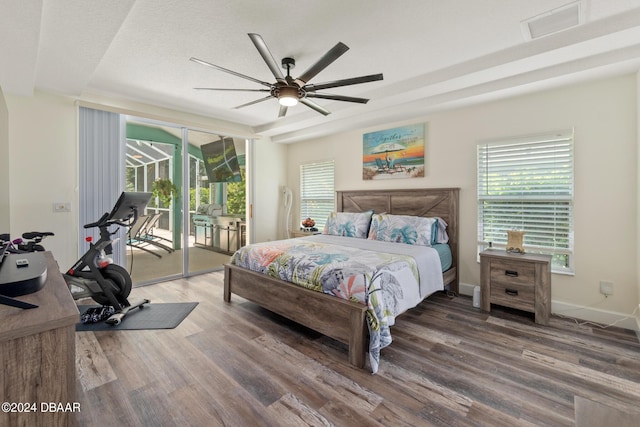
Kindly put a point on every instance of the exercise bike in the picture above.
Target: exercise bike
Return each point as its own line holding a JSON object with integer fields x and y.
{"x": 94, "y": 275}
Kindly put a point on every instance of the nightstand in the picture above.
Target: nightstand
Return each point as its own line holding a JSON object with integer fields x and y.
{"x": 521, "y": 281}
{"x": 302, "y": 233}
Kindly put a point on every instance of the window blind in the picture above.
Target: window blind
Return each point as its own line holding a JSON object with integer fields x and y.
{"x": 317, "y": 199}
{"x": 101, "y": 172}
{"x": 527, "y": 184}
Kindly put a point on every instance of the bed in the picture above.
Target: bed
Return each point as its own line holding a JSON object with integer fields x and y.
{"x": 347, "y": 321}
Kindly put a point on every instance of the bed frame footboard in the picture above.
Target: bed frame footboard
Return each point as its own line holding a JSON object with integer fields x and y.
{"x": 339, "y": 319}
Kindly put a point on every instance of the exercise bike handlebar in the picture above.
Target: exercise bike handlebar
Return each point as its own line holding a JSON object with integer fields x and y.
{"x": 105, "y": 220}
{"x": 98, "y": 223}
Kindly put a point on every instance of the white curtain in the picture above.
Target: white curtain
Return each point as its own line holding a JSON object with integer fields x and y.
{"x": 101, "y": 173}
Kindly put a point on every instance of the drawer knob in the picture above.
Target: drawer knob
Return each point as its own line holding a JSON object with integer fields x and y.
{"x": 511, "y": 273}
{"x": 512, "y": 292}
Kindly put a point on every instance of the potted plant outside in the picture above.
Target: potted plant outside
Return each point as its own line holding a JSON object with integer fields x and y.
{"x": 164, "y": 189}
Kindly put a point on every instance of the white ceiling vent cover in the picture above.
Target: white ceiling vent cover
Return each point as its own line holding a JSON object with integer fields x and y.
{"x": 558, "y": 19}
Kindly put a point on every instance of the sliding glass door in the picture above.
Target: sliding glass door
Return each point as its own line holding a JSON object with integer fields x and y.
{"x": 216, "y": 217}
{"x": 154, "y": 164}
{"x": 196, "y": 218}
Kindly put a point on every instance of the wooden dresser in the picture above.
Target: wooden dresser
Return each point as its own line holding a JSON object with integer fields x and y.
{"x": 37, "y": 354}
{"x": 521, "y": 281}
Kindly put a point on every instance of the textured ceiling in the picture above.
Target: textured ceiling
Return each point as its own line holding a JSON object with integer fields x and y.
{"x": 434, "y": 54}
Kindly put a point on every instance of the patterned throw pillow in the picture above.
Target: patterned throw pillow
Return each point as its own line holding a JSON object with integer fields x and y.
{"x": 412, "y": 230}
{"x": 348, "y": 224}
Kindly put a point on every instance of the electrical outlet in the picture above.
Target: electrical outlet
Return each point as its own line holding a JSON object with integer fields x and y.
{"x": 61, "y": 207}
{"x": 606, "y": 288}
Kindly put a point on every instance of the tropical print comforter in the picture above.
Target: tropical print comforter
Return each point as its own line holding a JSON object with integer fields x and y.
{"x": 387, "y": 283}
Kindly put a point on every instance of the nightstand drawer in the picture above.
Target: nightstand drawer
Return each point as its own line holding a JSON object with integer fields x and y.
{"x": 521, "y": 273}
{"x": 513, "y": 295}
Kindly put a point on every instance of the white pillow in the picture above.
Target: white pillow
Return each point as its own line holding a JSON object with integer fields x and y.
{"x": 349, "y": 224}
{"x": 412, "y": 230}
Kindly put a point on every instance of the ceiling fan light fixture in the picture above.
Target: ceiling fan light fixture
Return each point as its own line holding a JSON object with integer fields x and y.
{"x": 288, "y": 96}
{"x": 288, "y": 101}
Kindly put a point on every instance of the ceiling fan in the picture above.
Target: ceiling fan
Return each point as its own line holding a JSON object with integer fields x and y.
{"x": 290, "y": 91}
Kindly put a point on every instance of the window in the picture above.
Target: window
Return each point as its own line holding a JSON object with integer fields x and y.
{"x": 527, "y": 184}
{"x": 317, "y": 199}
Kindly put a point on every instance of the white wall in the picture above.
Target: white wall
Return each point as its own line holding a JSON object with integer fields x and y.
{"x": 270, "y": 176}
{"x": 43, "y": 160}
{"x": 43, "y": 168}
{"x": 604, "y": 116}
{"x": 4, "y": 166}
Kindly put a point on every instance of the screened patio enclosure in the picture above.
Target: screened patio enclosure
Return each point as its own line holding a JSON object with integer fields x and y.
{"x": 154, "y": 163}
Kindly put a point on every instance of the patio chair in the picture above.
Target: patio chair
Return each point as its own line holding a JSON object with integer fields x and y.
{"x": 135, "y": 238}
{"x": 147, "y": 235}
{"x": 395, "y": 166}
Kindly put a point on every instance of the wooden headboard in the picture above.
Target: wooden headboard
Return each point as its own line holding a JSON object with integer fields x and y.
{"x": 427, "y": 202}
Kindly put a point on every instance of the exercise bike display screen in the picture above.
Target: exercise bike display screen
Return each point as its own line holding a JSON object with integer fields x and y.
{"x": 127, "y": 203}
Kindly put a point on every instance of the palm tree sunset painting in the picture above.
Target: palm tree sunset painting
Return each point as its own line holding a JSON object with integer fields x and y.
{"x": 394, "y": 153}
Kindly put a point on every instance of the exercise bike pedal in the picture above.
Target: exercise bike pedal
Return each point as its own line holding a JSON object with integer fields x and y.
{"x": 116, "y": 318}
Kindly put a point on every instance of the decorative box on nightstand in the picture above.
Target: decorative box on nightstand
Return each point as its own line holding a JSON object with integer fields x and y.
{"x": 521, "y": 281}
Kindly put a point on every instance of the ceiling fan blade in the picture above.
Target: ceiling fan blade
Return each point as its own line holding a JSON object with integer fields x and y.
{"x": 253, "y": 102}
{"x": 343, "y": 82}
{"x": 283, "y": 111}
{"x": 200, "y": 61}
{"x": 323, "y": 63}
{"x": 337, "y": 97}
{"x": 266, "y": 55}
{"x": 227, "y": 89}
{"x": 315, "y": 106}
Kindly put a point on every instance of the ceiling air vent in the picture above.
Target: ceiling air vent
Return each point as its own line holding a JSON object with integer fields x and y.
{"x": 553, "y": 21}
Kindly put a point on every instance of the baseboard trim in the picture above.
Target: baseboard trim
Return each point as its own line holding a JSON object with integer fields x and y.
{"x": 581, "y": 313}
{"x": 590, "y": 314}
{"x": 466, "y": 289}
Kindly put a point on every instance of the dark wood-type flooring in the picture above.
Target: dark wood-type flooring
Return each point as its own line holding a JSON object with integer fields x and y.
{"x": 450, "y": 364}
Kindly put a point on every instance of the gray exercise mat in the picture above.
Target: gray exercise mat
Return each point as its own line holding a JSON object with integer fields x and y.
{"x": 151, "y": 316}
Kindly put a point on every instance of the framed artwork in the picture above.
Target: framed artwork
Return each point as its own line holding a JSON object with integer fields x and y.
{"x": 394, "y": 153}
